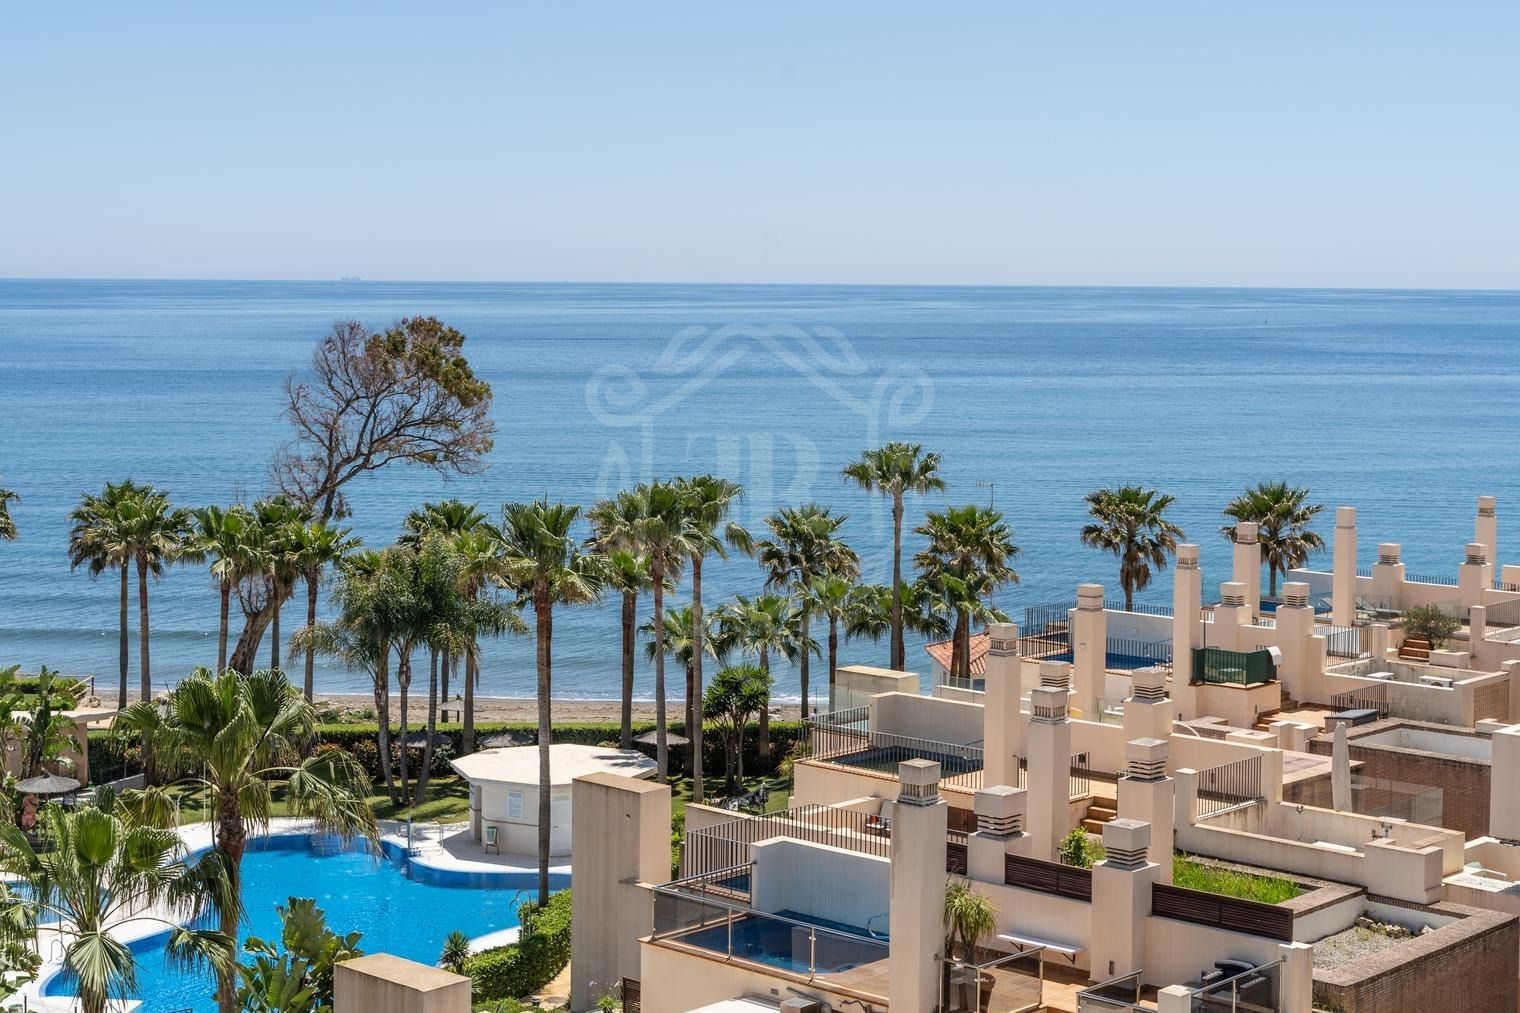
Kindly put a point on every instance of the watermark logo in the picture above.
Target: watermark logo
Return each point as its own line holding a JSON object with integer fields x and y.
{"x": 658, "y": 434}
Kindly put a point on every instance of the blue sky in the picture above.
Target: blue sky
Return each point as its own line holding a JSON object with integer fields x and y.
{"x": 1339, "y": 144}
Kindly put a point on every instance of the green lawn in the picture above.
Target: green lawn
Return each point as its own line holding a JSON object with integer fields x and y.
{"x": 448, "y": 801}
{"x": 1194, "y": 875}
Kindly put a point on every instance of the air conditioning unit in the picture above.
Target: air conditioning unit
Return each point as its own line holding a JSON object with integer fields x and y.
{"x": 801, "y": 1004}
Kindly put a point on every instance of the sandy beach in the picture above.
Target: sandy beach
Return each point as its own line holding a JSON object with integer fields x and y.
{"x": 509, "y": 708}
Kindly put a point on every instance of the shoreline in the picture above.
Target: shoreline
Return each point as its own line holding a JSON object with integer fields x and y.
{"x": 512, "y": 709}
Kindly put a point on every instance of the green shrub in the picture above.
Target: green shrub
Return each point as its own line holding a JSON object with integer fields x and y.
{"x": 1194, "y": 875}
{"x": 1079, "y": 849}
{"x": 542, "y": 950}
{"x": 1430, "y": 623}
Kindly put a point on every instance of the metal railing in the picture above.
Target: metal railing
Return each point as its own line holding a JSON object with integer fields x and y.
{"x": 956, "y": 852}
{"x": 727, "y": 845}
{"x": 1217, "y": 666}
{"x": 1255, "y": 990}
{"x": 1504, "y": 613}
{"x": 1126, "y": 655}
{"x": 1410, "y": 578}
{"x": 1079, "y": 776}
{"x": 883, "y": 751}
{"x": 1228, "y": 786}
{"x": 1344, "y": 641}
{"x": 1138, "y": 609}
{"x": 990, "y": 980}
{"x": 1373, "y": 698}
{"x": 857, "y": 718}
{"x": 1118, "y": 993}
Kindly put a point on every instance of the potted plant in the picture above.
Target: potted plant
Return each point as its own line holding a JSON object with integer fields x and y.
{"x": 968, "y": 917}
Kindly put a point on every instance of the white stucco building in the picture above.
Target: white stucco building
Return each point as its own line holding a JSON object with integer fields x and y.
{"x": 504, "y": 791}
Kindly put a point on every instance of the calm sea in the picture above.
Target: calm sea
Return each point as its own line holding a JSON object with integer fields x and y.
{"x": 1401, "y": 403}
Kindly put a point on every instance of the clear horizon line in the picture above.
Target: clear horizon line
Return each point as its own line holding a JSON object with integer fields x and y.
{"x": 765, "y": 284}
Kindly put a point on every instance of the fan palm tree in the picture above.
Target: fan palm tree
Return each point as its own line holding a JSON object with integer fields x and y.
{"x": 831, "y": 597}
{"x": 869, "y": 613}
{"x": 972, "y": 546}
{"x": 708, "y": 500}
{"x": 450, "y": 518}
{"x": 238, "y": 738}
{"x": 155, "y": 532}
{"x": 98, "y": 541}
{"x": 628, "y": 572}
{"x": 314, "y": 547}
{"x": 47, "y": 733}
{"x": 681, "y": 647}
{"x": 804, "y": 546}
{"x": 279, "y": 523}
{"x": 1282, "y": 514}
{"x": 101, "y": 871}
{"x": 481, "y": 566}
{"x": 221, "y": 536}
{"x": 1131, "y": 523}
{"x": 894, "y": 471}
{"x": 546, "y": 568}
{"x": 764, "y": 625}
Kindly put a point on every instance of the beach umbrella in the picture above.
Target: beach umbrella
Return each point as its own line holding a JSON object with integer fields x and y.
{"x": 47, "y": 784}
{"x": 419, "y": 740}
{"x": 650, "y": 738}
{"x": 507, "y": 740}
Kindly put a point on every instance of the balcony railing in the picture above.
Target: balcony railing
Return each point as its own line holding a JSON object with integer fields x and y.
{"x": 881, "y": 752}
{"x": 1217, "y": 666}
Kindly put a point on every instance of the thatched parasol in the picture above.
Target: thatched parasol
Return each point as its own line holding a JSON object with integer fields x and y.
{"x": 47, "y": 784}
{"x": 651, "y": 738}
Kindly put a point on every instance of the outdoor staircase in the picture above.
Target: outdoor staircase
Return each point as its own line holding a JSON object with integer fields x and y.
{"x": 1415, "y": 649}
{"x": 1098, "y": 813}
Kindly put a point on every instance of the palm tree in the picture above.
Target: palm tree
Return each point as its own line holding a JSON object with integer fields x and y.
{"x": 314, "y": 547}
{"x": 869, "y": 612}
{"x": 102, "y": 870}
{"x": 1282, "y": 514}
{"x": 764, "y": 625}
{"x": 154, "y": 532}
{"x": 279, "y": 522}
{"x": 47, "y": 732}
{"x": 450, "y": 518}
{"x": 546, "y": 568}
{"x": 98, "y": 541}
{"x": 895, "y": 470}
{"x": 708, "y": 501}
{"x": 480, "y": 566}
{"x": 804, "y": 545}
{"x": 1130, "y": 522}
{"x": 830, "y": 597}
{"x": 681, "y": 647}
{"x": 221, "y": 536}
{"x": 238, "y": 738}
{"x": 967, "y": 556}
{"x": 736, "y": 694}
{"x": 628, "y": 572}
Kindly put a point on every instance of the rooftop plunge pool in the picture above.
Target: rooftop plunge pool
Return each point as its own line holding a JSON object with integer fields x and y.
{"x": 400, "y": 909}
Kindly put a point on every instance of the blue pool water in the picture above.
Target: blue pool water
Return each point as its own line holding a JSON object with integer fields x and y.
{"x": 398, "y": 914}
{"x": 786, "y": 946}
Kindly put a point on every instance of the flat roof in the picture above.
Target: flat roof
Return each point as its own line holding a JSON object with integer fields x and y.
{"x": 567, "y": 761}
{"x": 407, "y": 973}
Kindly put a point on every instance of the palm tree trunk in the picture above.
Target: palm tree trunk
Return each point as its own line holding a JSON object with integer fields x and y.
{"x": 545, "y": 630}
{"x": 122, "y": 640}
{"x": 404, "y": 685}
{"x": 231, "y": 841}
{"x": 432, "y": 727}
{"x": 383, "y": 712}
{"x": 274, "y": 637}
{"x": 833, "y": 651}
{"x": 469, "y": 701}
{"x": 765, "y": 708}
{"x": 802, "y": 668}
{"x": 443, "y": 691}
{"x": 142, "y": 629}
{"x": 221, "y": 629}
{"x": 311, "y": 620}
{"x": 694, "y": 730}
{"x": 661, "y": 747}
{"x": 630, "y": 620}
{"x": 956, "y": 642}
{"x": 1272, "y": 581}
{"x": 897, "y": 651}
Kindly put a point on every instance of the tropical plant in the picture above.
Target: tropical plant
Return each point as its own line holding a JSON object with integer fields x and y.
{"x": 155, "y": 533}
{"x": 1130, "y": 522}
{"x": 314, "y": 547}
{"x": 1282, "y": 515}
{"x": 629, "y": 573}
{"x": 545, "y": 566}
{"x": 969, "y": 916}
{"x": 834, "y": 599}
{"x": 100, "y": 871}
{"x": 279, "y": 522}
{"x": 764, "y": 625}
{"x": 450, "y": 518}
{"x": 804, "y": 546}
{"x": 967, "y": 560}
{"x": 894, "y": 471}
{"x": 736, "y": 695}
{"x": 98, "y": 541}
{"x": 920, "y": 607}
{"x": 1080, "y": 849}
{"x": 221, "y": 536}
{"x": 1428, "y": 622}
{"x": 238, "y": 738}
{"x": 46, "y": 732}
{"x": 296, "y": 974}
{"x": 681, "y": 646}
{"x": 481, "y": 568}
{"x": 456, "y": 952}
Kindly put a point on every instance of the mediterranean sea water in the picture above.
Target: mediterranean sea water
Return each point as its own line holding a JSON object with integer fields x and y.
{"x": 1403, "y": 404}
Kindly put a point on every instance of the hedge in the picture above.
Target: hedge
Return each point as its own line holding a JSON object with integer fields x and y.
{"x": 542, "y": 950}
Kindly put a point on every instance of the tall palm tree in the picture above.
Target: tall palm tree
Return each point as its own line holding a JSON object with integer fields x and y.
{"x": 708, "y": 501}
{"x": 764, "y": 625}
{"x": 830, "y": 597}
{"x": 546, "y": 568}
{"x": 1131, "y": 523}
{"x": 973, "y": 546}
{"x": 869, "y": 612}
{"x": 103, "y": 869}
{"x": 221, "y": 536}
{"x": 450, "y": 518}
{"x": 279, "y": 522}
{"x": 155, "y": 532}
{"x": 896, "y": 470}
{"x": 314, "y": 547}
{"x": 681, "y": 647}
{"x": 98, "y": 541}
{"x": 238, "y": 738}
{"x": 1283, "y": 515}
{"x": 804, "y": 545}
{"x": 629, "y": 573}
{"x": 481, "y": 566}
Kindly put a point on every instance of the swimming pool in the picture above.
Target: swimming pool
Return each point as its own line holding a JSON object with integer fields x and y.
{"x": 398, "y": 913}
{"x": 785, "y": 944}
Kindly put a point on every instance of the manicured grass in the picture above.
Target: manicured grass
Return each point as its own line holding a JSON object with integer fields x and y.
{"x": 448, "y": 801}
{"x": 1247, "y": 886}
{"x": 680, "y": 793}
